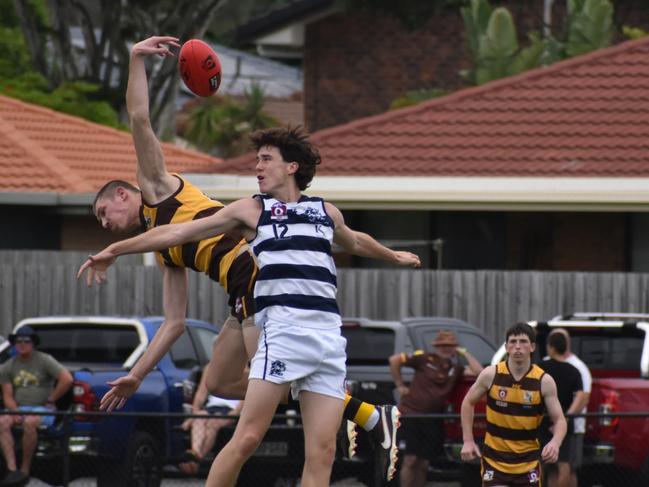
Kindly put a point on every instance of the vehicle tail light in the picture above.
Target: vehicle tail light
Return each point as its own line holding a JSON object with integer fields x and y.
{"x": 604, "y": 429}
{"x": 610, "y": 404}
{"x": 83, "y": 400}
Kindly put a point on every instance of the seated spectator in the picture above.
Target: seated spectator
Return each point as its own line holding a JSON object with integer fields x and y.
{"x": 205, "y": 431}
{"x": 28, "y": 384}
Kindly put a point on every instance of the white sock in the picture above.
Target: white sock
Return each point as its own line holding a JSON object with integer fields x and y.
{"x": 372, "y": 421}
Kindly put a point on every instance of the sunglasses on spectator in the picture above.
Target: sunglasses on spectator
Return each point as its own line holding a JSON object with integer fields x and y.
{"x": 23, "y": 340}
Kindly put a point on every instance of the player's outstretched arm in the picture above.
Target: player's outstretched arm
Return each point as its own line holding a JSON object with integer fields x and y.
{"x": 152, "y": 176}
{"x": 174, "y": 288}
{"x": 242, "y": 214}
{"x": 362, "y": 244}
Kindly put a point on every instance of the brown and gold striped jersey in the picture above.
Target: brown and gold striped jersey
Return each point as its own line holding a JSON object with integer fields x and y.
{"x": 214, "y": 256}
{"x": 514, "y": 414}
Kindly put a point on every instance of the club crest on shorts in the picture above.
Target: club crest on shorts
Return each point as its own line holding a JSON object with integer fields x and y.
{"x": 488, "y": 475}
{"x": 533, "y": 476}
{"x": 278, "y": 211}
{"x": 277, "y": 368}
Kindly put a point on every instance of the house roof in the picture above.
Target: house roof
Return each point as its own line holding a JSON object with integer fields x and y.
{"x": 241, "y": 70}
{"x": 276, "y": 19}
{"x": 588, "y": 116}
{"x": 43, "y": 151}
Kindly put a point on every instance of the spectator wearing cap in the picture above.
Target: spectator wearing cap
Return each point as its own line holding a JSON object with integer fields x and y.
{"x": 31, "y": 381}
{"x": 436, "y": 373}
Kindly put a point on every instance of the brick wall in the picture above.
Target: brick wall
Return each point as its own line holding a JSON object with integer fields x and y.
{"x": 356, "y": 64}
{"x": 568, "y": 241}
{"x": 82, "y": 232}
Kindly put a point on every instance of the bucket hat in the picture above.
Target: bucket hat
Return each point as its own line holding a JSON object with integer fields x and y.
{"x": 24, "y": 331}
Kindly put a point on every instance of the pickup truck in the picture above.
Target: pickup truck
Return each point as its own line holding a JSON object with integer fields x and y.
{"x": 615, "y": 346}
{"x": 119, "y": 450}
{"x": 369, "y": 345}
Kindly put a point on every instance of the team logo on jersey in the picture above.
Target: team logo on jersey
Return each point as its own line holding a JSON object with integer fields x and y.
{"x": 277, "y": 368}
{"x": 311, "y": 214}
{"x": 502, "y": 393}
{"x": 278, "y": 211}
{"x": 147, "y": 221}
{"x": 488, "y": 475}
{"x": 533, "y": 476}
{"x": 527, "y": 396}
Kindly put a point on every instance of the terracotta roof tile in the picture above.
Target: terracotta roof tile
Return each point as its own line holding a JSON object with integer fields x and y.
{"x": 584, "y": 117}
{"x": 46, "y": 151}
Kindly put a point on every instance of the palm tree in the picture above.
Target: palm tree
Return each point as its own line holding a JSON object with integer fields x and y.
{"x": 221, "y": 125}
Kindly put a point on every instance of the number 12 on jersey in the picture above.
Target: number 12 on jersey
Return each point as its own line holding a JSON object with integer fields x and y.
{"x": 280, "y": 230}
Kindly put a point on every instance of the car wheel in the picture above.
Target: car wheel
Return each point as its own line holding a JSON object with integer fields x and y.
{"x": 141, "y": 467}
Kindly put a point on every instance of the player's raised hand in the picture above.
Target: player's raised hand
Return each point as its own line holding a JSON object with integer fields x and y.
{"x": 407, "y": 259}
{"x": 155, "y": 45}
{"x": 96, "y": 265}
{"x": 120, "y": 390}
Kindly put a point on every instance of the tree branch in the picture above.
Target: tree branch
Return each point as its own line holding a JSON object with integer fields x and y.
{"x": 30, "y": 29}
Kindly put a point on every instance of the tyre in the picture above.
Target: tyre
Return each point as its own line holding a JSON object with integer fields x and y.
{"x": 141, "y": 466}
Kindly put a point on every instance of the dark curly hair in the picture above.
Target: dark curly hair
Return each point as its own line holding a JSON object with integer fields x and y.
{"x": 294, "y": 146}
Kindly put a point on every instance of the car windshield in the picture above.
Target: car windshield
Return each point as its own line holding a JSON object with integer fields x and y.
{"x": 604, "y": 349}
{"x": 368, "y": 346}
{"x": 88, "y": 343}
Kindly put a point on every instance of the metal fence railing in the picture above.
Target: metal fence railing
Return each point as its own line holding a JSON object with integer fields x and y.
{"x": 151, "y": 450}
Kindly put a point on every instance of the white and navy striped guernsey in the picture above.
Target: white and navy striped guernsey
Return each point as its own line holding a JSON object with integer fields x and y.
{"x": 296, "y": 283}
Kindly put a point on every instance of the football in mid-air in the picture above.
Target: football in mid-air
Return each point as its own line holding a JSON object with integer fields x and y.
{"x": 200, "y": 67}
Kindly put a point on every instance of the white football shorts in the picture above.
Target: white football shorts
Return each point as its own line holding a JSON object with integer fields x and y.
{"x": 312, "y": 359}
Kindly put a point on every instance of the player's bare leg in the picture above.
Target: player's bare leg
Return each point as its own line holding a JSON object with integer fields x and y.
{"x": 321, "y": 416}
{"x": 250, "y": 336}
{"x": 225, "y": 372}
{"x": 258, "y": 410}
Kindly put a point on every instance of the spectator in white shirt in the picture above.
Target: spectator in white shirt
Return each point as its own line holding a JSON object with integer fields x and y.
{"x": 580, "y": 422}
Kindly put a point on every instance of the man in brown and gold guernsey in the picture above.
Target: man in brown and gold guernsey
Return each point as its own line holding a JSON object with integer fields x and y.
{"x": 436, "y": 374}
{"x": 164, "y": 198}
{"x": 517, "y": 394}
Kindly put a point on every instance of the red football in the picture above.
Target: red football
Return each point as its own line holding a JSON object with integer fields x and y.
{"x": 200, "y": 67}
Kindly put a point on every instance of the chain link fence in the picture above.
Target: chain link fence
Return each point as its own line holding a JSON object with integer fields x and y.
{"x": 150, "y": 450}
